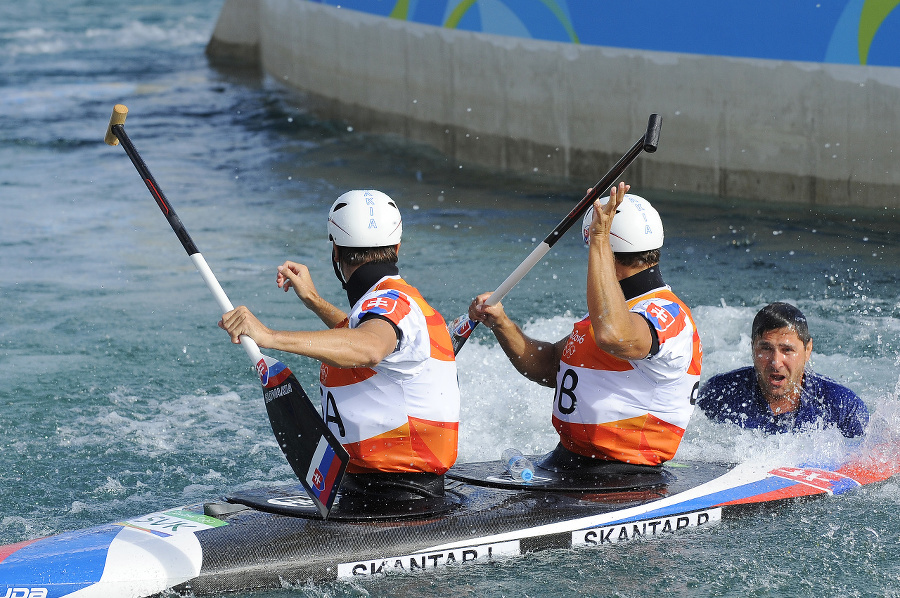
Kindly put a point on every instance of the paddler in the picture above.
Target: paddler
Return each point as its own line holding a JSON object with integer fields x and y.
{"x": 388, "y": 377}
{"x": 780, "y": 392}
{"x": 626, "y": 376}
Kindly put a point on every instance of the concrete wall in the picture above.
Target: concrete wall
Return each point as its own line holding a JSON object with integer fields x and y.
{"x": 235, "y": 40}
{"x": 759, "y": 129}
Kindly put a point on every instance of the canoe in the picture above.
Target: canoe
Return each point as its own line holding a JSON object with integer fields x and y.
{"x": 270, "y": 536}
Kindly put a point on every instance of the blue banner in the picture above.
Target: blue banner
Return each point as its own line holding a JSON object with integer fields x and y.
{"x": 860, "y": 32}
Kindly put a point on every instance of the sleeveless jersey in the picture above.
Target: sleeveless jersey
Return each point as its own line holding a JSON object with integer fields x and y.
{"x": 403, "y": 414}
{"x": 633, "y": 411}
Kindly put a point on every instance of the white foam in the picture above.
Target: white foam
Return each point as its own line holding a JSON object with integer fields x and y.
{"x": 217, "y": 438}
{"x": 130, "y": 34}
{"x": 502, "y": 409}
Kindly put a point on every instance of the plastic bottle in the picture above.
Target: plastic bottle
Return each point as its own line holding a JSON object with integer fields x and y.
{"x": 517, "y": 464}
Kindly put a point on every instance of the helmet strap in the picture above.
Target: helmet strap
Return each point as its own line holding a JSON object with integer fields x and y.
{"x": 337, "y": 267}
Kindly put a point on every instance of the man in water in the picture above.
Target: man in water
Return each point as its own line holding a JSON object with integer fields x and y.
{"x": 779, "y": 393}
{"x": 625, "y": 376}
{"x": 388, "y": 377}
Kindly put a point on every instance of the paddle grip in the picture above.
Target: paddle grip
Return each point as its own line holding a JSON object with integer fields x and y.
{"x": 461, "y": 328}
{"x": 118, "y": 118}
{"x": 117, "y": 130}
{"x": 651, "y": 137}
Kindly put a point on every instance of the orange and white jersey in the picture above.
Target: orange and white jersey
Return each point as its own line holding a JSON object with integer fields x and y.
{"x": 403, "y": 414}
{"x": 633, "y": 411}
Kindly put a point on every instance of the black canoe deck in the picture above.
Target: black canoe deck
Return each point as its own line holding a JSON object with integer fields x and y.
{"x": 600, "y": 480}
{"x": 281, "y": 535}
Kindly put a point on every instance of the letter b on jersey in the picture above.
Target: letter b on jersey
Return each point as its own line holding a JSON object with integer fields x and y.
{"x": 565, "y": 393}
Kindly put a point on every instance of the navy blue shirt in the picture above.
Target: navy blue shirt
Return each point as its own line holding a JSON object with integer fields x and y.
{"x": 736, "y": 397}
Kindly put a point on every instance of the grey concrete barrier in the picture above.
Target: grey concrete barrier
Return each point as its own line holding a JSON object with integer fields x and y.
{"x": 769, "y": 130}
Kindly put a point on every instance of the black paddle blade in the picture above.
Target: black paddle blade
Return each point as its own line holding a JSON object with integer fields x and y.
{"x": 315, "y": 454}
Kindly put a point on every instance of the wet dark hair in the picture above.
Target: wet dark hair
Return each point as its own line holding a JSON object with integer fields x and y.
{"x": 355, "y": 256}
{"x": 780, "y": 315}
{"x": 638, "y": 258}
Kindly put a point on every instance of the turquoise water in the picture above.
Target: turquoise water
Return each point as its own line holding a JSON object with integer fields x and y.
{"x": 120, "y": 396}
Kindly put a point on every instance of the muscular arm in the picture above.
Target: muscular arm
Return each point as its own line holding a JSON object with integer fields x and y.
{"x": 363, "y": 346}
{"x": 618, "y": 331}
{"x": 536, "y": 360}
{"x": 292, "y": 275}
{"x": 330, "y": 314}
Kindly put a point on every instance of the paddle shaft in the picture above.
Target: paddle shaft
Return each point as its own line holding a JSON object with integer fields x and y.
{"x": 250, "y": 346}
{"x": 312, "y": 450}
{"x": 648, "y": 143}
{"x": 462, "y": 327}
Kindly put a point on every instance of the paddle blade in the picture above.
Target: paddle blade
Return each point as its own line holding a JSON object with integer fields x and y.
{"x": 314, "y": 453}
{"x": 460, "y": 330}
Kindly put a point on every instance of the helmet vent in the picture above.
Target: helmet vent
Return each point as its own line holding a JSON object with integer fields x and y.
{"x": 339, "y": 206}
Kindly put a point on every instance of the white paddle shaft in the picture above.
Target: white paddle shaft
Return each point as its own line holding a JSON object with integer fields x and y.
{"x": 225, "y": 305}
{"x": 519, "y": 273}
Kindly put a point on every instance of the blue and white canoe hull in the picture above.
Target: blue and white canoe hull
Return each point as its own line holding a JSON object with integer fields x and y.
{"x": 268, "y": 545}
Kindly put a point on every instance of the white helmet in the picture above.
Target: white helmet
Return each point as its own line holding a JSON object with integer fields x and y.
{"x": 366, "y": 218}
{"x": 636, "y": 226}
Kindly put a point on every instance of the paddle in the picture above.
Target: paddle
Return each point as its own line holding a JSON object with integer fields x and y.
{"x": 310, "y": 447}
{"x": 462, "y": 327}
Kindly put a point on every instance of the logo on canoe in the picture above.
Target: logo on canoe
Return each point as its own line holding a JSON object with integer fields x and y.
{"x": 626, "y": 532}
{"x": 25, "y": 593}
{"x": 827, "y": 481}
{"x": 428, "y": 560}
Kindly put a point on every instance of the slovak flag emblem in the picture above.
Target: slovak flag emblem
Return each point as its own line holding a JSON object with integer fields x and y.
{"x": 318, "y": 481}
{"x": 385, "y": 304}
{"x": 829, "y": 481}
{"x": 663, "y": 316}
{"x": 263, "y": 371}
{"x": 462, "y": 326}
{"x": 323, "y": 471}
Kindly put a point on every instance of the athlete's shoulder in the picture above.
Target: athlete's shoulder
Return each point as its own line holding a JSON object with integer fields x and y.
{"x": 398, "y": 283}
{"x": 829, "y": 388}
{"x": 744, "y": 374}
{"x": 727, "y": 388}
{"x": 839, "y": 405}
{"x": 391, "y": 304}
{"x": 662, "y": 302}
{"x": 666, "y": 316}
